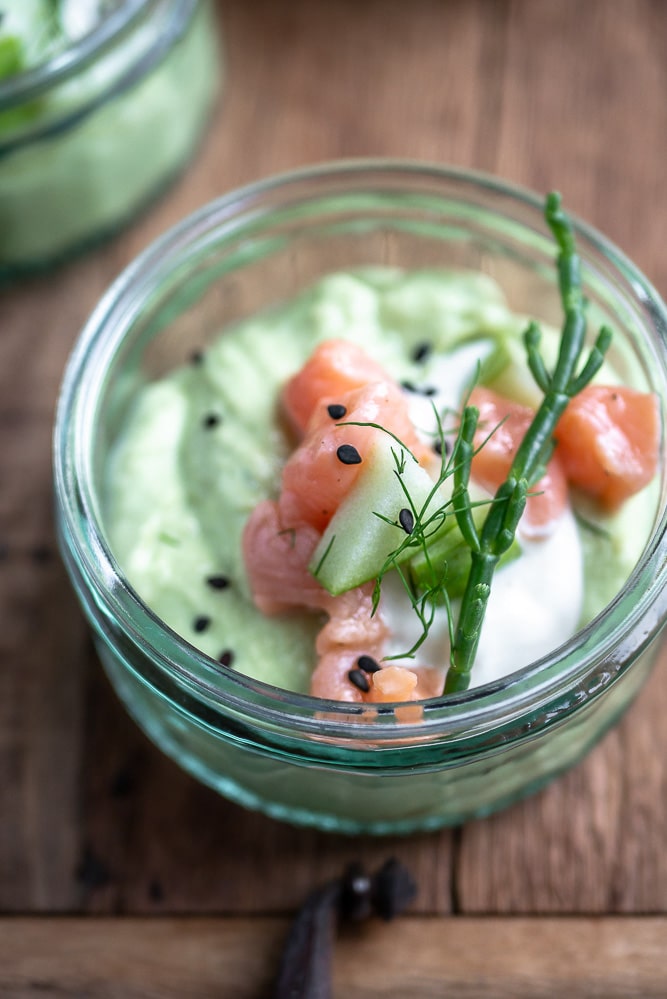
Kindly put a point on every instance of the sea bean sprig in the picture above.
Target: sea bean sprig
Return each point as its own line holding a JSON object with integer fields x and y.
{"x": 489, "y": 543}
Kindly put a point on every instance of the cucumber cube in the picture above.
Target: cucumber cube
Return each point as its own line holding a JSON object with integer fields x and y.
{"x": 366, "y": 528}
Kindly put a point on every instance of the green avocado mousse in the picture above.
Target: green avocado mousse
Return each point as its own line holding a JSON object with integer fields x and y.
{"x": 274, "y": 556}
{"x": 101, "y": 103}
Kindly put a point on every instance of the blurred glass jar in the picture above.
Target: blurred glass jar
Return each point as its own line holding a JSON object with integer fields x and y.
{"x": 90, "y": 135}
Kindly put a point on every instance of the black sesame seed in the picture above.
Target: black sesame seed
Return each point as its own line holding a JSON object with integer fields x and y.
{"x": 226, "y": 657}
{"x": 406, "y": 520}
{"x": 210, "y": 421}
{"x": 217, "y": 582}
{"x": 368, "y": 664}
{"x": 422, "y": 351}
{"x": 359, "y": 679}
{"x": 348, "y": 455}
{"x": 427, "y": 390}
{"x": 201, "y": 623}
{"x": 438, "y": 447}
{"x": 196, "y": 357}
{"x": 336, "y": 411}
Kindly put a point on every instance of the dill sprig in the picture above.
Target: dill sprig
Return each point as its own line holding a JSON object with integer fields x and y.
{"x": 425, "y": 526}
{"x": 497, "y": 533}
{"x": 428, "y": 521}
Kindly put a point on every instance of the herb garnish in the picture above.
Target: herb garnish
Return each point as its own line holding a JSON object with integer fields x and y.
{"x": 491, "y": 536}
{"x": 497, "y": 532}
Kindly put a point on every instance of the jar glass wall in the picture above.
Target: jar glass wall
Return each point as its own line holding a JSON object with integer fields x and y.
{"x": 90, "y": 136}
{"x": 293, "y": 756}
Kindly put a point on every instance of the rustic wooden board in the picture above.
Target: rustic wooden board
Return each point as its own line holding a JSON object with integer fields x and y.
{"x": 418, "y": 958}
{"x": 94, "y": 819}
{"x": 593, "y": 842}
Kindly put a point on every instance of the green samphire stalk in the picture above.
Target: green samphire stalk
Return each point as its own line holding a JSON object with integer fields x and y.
{"x": 490, "y": 541}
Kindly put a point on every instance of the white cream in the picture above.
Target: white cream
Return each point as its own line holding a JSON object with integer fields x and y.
{"x": 451, "y": 375}
{"x": 535, "y": 603}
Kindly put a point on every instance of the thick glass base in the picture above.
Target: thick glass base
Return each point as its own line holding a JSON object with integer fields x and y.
{"x": 345, "y": 800}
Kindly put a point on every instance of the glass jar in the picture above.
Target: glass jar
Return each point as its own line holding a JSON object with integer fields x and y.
{"x": 293, "y": 756}
{"x": 90, "y": 136}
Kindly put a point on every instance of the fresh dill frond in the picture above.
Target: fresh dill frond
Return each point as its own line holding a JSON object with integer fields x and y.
{"x": 324, "y": 557}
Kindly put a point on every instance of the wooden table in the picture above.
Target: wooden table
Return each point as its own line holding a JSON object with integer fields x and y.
{"x": 119, "y": 875}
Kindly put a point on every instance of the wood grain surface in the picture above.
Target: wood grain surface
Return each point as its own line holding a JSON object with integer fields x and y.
{"x": 94, "y": 820}
{"x": 218, "y": 958}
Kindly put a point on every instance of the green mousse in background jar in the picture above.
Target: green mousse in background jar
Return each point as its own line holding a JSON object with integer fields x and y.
{"x": 102, "y": 102}
{"x": 299, "y": 757}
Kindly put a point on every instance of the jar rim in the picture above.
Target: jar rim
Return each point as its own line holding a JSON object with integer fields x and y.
{"x": 66, "y": 63}
{"x": 455, "y": 716}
